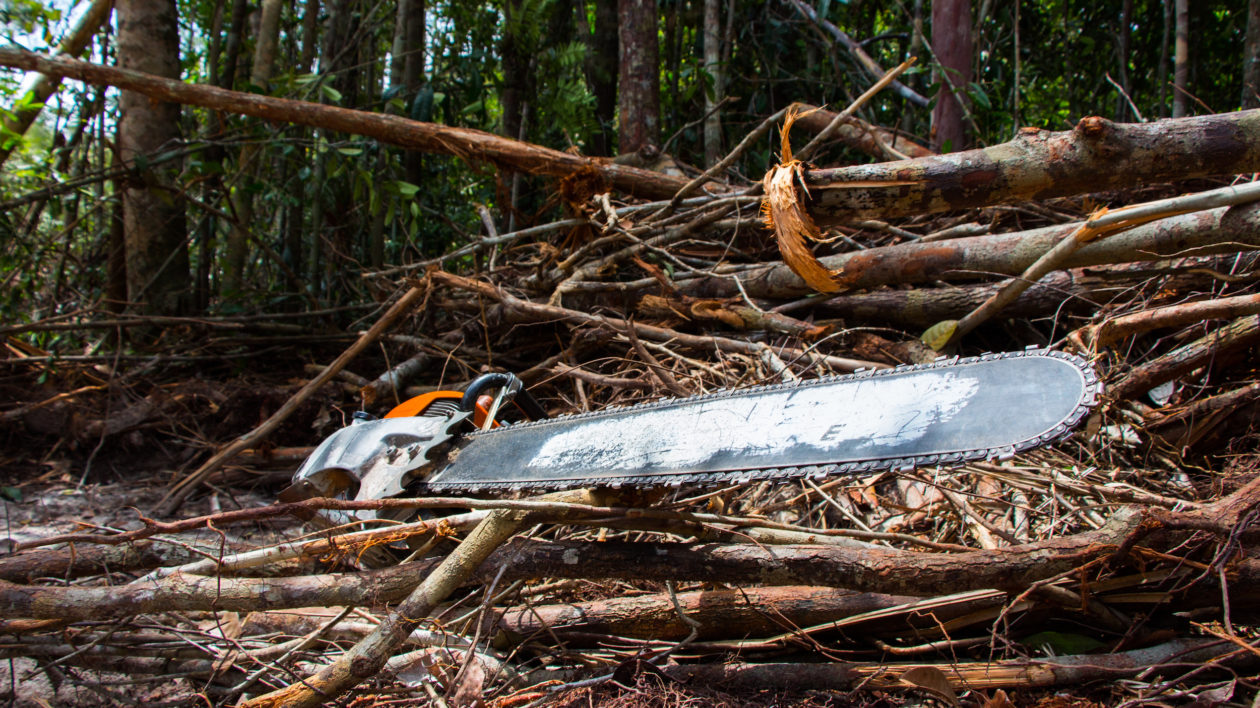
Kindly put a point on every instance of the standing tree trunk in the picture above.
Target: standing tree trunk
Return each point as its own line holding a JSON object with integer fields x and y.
{"x": 232, "y": 48}
{"x": 251, "y": 153}
{"x": 518, "y": 80}
{"x": 153, "y": 221}
{"x": 713, "y": 66}
{"x": 413, "y": 78}
{"x": 1123, "y": 41}
{"x": 1251, "y": 57}
{"x": 601, "y": 72}
{"x": 1181, "y": 59}
{"x": 639, "y": 102}
{"x": 951, "y": 43}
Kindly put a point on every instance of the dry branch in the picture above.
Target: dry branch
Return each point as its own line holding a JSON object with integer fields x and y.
{"x": 1242, "y": 332}
{"x": 1112, "y": 330}
{"x": 1224, "y": 230}
{"x": 466, "y": 143}
{"x": 883, "y": 570}
{"x": 526, "y": 311}
{"x": 1023, "y": 673}
{"x": 1100, "y": 225}
{"x": 186, "y": 486}
{"x": 860, "y": 135}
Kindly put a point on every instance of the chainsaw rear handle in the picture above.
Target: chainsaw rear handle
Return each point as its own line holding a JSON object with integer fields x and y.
{"x": 513, "y": 388}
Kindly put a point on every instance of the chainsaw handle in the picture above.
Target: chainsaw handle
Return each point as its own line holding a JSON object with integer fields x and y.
{"x": 514, "y": 390}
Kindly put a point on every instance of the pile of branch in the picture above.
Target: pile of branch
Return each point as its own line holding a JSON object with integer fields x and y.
{"x": 1127, "y": 553}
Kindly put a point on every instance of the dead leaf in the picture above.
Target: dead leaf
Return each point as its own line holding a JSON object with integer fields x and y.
{"x": 933, "y": 681}
{"x": 471, "y": 685}
{"x": 939, "y": 334}
{"x": 998, "y": 700}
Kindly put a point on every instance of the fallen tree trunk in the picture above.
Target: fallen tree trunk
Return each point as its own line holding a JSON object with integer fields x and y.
{"x": 725, "y": 614}
{"x": 883, "y": 570}
{"x": 1095, "y": 155}
{"x": 466, "y": 143}
{"x": 1024, "y": 673}
{"x": 1214, "y": 231}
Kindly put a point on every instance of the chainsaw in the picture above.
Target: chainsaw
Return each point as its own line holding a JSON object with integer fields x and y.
{"x": 947, "y": 412}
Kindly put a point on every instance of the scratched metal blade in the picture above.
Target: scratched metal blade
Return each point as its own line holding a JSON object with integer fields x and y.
{"x": 946, "y": 412}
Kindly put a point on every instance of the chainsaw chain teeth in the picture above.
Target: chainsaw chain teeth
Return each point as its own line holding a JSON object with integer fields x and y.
{"x": 1092, "y": 391}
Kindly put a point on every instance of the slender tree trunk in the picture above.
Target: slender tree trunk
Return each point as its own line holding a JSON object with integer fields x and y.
{"x": 294, "y": 251}
{"x": 639, "y": 101}
{"x": 951, "y": 43}
{"x": 601, "y": 72}
{"x": 1181, "y": 59}
{"x": 232, "y": 50}
{"x": 413, "y": 78}
{"x": 712, "y": 64}
{"x": 154, "y": 227}
{"x": 1251, "y": 57}
{"x": 116, "y": 264}
{"x": 251, "y": 154}
{"x": 518, "y": 82}
{"x": 1123, "y": 37}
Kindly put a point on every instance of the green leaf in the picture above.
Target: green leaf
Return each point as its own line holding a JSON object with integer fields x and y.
{"x": 331, "y": 93}
{"x": 976, "y": 91}
{"x": 350, "y": 151}
{"x": 406, "y": 189}
{"x": 13, "y": 494}
{"x": 939, "y": 334}
{"x": 1063, "y": 643}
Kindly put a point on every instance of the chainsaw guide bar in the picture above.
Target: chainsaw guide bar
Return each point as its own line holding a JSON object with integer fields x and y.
{"x": 947, "y": 412}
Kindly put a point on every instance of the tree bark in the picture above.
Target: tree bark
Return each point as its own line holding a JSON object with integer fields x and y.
{"x": 713, "y": 92}
{"x": 1058, "y": 293}
{"x": 1096, "y": 155}
{"x": 750, "y": 612}
{"x": 518, "y": 79}
{"x": 1251, "y": 58}
{"x": 951, "y": 43}
{"x": 639, "y": 101}
{"x": 601, "y": 73}
{"x": 469, "y": 144}
{"x": 1224, "y": 230}
{"x": 1241, "y": 333}
{"x": 414, "y": 45}
{"x": 154, "y": 226}
{"x": 1181, "y": 59}
{"x": 232, "y": 48}
{"x": 1124, "y": 36}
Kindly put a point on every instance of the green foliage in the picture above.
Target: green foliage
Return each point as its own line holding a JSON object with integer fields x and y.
{"x": 317, "y": 197}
